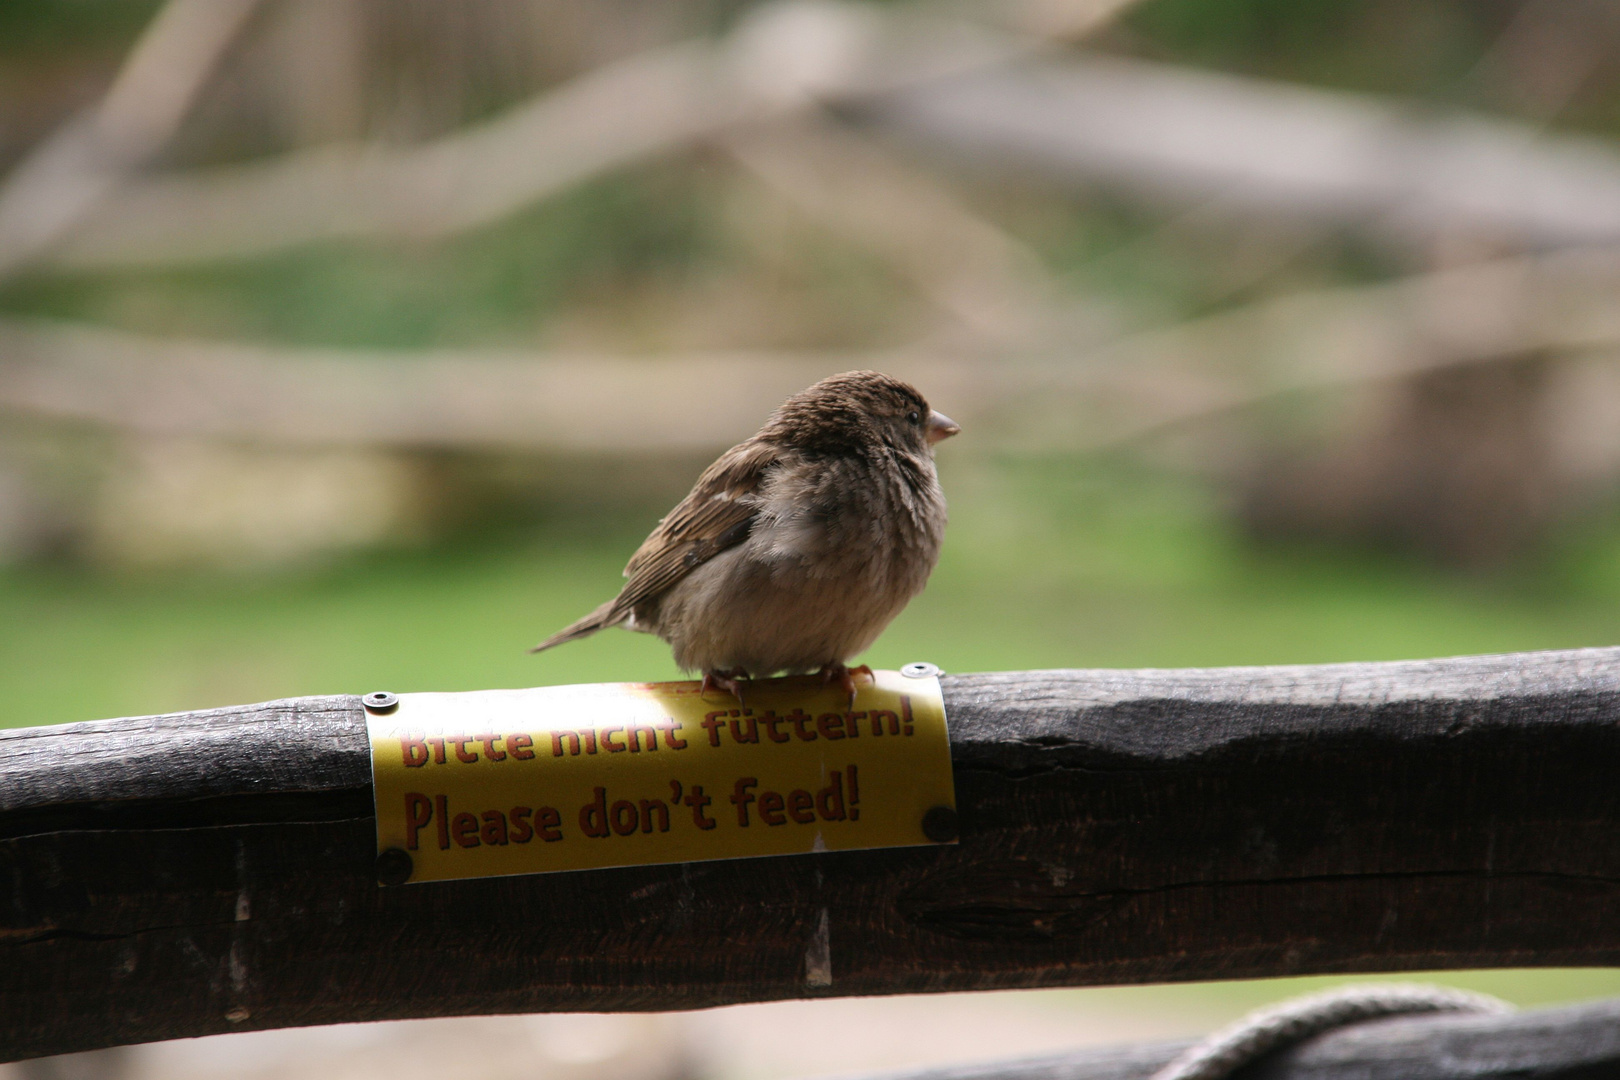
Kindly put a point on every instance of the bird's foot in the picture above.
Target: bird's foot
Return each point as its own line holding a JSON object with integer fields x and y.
{"x": 845, "y": 677}
{"x": 729, "y": 680}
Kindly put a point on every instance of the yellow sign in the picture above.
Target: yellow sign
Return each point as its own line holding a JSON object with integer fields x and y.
{"x": 623, "y": 774}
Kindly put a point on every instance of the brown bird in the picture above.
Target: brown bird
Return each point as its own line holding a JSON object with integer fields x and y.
{"x": 797, "y": 547}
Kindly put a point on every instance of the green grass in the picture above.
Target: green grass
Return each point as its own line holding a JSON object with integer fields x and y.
{"x": 1047, "y": 564}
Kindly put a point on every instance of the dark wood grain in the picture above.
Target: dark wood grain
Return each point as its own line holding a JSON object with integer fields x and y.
{"x": 203, "y": 872}
{"x": 1580, "y": 1042}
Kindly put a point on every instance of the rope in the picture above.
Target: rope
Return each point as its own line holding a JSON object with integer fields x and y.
{"x": 1289, "y": 1022}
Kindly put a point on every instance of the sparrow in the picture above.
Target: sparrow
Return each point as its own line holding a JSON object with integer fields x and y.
{"x": 796, "y": 547}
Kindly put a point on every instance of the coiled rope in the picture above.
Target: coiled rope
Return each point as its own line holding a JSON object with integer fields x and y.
{"x": 1281, "y": 1025}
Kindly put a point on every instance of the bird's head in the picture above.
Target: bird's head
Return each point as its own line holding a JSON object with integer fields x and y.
{"x": 846, "y": 413}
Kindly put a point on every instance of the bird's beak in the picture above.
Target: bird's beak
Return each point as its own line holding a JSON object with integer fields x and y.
{"x": 941, "y": 426}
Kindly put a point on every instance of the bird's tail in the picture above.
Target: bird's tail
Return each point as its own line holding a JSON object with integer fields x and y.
{"x": 603, "y": 617}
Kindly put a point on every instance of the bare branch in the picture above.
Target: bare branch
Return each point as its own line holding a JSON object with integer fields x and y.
{"x": 1063, "y": 20}
{"x": 1175, "y": 134}
{"x": 66, "y": 177}
{"x": 468, "y": 399}
{"x": 989, "y": 281}
{"x": 1009, "y": 398}
{"x": 1149, "y": 128}
{"x": 613, "y": 116}
{"x": 786, "y": 57}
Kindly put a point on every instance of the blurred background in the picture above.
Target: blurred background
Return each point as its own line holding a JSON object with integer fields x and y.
{"x": 349, "y": 344}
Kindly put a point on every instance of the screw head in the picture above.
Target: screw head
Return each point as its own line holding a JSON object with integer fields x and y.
{"x": 380, "y": 701}
{"x": 939, "y": 824}
{"x": 394, "y": 867}
{"x": 920, "y": 670}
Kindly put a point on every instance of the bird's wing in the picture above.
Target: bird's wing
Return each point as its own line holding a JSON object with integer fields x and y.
{"x": 717, "y": 515}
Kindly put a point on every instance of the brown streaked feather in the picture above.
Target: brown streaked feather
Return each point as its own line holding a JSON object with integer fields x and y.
{"x": 717, "y": 514}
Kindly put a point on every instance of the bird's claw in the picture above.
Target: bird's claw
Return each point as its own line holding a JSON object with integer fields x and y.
{"x": 845, "y": 677}
{"x": 730, "y": 681}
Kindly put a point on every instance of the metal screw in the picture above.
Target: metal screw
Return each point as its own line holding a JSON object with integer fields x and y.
{"x": 380, "y": 701}
{"x": 920, "y": 670}
{"x": 394, "y": 867}
{"x": 939, "y": 824}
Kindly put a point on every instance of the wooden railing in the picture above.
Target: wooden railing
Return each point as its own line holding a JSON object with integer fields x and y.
{"x": 215, "y": 871}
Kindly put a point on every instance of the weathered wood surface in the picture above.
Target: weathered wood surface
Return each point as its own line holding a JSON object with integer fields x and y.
{"x": 1580, "y": 1042}
{"x": 213, "y": 871}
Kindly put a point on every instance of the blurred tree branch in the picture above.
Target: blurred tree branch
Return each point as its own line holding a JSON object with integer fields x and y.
{"x": 786, "y": 57}
{"x": 1560, "y": 305}
{"x": 990, "y": 282}
{"x": 649, "y": 104}
{"x": 621, "y": 113}
{"x": 66, "y": 177}
{"x": 1180, "y": 136}
{"x": 1166, "y": 132}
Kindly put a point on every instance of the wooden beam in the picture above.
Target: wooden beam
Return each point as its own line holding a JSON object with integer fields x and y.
{"x": 213, "y": 871}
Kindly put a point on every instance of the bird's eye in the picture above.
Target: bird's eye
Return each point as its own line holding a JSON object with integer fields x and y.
{"x": 914, "y": 416}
